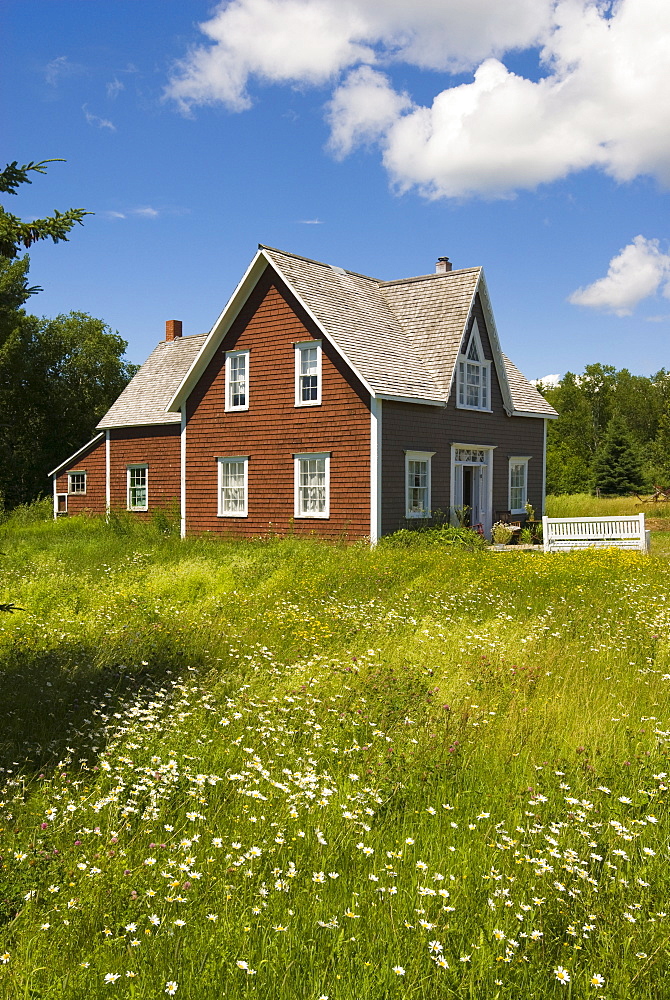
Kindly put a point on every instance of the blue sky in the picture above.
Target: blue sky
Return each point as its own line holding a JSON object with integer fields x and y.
{"x": 531, "y": 137}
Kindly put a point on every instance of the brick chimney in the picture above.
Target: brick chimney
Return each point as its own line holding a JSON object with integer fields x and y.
{"x": 443, "y": 265}
{"x": 172, "y": 329}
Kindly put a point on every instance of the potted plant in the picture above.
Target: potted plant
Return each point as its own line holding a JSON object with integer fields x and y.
{"x": 501, "y": 534}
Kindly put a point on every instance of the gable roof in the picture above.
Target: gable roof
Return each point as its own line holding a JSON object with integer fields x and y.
{"x": 145, "y": 399}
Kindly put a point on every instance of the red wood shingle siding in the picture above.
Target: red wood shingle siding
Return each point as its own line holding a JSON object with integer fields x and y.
{"x": 92, "y": 462}
{"x": 157, "y": 447}
{"x": 411, "y": 427}
{"x": 273, "y": 429}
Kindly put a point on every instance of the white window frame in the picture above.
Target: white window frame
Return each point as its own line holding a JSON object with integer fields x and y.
{"x": 418, "y": 456}
{"x": 307, "y": 345}
{"x": 516, "y": 461}
{"x": 298, "y": 511}
{"x": 76, "y": 493}
{"x": 229, "y": 407}
{"x": 222, "y": 462}
{"x": 129, "y": 470}
{"x": 484, "y": 374}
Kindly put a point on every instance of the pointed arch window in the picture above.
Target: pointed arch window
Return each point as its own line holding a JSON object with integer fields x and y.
{"x": 474, "y": 375}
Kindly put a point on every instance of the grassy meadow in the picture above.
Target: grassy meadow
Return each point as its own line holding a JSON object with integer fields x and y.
{"x": 285, "y": 769}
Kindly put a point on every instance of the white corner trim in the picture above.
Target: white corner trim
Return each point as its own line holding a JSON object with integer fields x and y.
{"x": 375, "y": 470}
{"x": 182, "y": 473}
{"x": 108, "y": 487}
{"x": 544, "y": 467}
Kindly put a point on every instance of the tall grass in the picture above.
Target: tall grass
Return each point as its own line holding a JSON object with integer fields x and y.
{"x": 286, "y": 769}
{"x": 585, "y": 505}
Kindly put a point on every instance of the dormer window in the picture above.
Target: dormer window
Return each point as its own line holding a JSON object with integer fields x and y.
{"x": 474, "y": 375}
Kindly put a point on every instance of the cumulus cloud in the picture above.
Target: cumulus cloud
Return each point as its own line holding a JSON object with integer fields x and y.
{"x": 595, "y": 101}
{"x": 639, "y": 270}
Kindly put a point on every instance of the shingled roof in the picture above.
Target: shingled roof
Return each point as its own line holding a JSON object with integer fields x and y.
{"x": 145, "y": 399}
{"x": 400, "y": 337}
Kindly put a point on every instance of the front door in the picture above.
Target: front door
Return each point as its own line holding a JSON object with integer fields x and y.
{"x": 471, "y": 482}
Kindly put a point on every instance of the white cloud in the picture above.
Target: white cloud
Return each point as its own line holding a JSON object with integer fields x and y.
{"x": 638, "y": 271}
{"x": 547, "y": 381}
{"x": 59, "y": 68}
{"x": 97, "y": 121}
{"x": 310, "y": 222}
{"x": 598, "y": 103}
{"x": 114, "y": 88}
{"x": 144, "y": 212}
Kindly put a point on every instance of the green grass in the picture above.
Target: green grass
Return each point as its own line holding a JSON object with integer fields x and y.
{"x": 329, "y": 763}
{"x": 585, "y": 505}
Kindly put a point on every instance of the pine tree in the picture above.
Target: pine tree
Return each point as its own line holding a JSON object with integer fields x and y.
{"x": 617, "y": 466}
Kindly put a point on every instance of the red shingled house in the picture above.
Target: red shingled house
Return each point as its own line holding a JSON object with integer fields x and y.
{"x": 322, "y": 401}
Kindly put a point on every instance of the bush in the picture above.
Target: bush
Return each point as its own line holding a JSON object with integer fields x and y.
{"x": 434, "y": 537}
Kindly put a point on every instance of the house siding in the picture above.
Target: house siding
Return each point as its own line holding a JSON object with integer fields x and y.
{"x": 158, "y": 448}
{"x": 92, "y": 462}
{"x": 411, "y": 427}
{"x": 273, "y": 429}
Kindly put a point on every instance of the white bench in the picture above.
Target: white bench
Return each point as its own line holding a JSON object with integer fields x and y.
{"x": 562, "y": 534}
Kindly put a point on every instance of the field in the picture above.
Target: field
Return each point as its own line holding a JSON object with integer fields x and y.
{"x": 289, "y": 770}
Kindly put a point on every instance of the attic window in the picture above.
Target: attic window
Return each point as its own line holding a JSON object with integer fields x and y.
{"x": 474, "y": 375}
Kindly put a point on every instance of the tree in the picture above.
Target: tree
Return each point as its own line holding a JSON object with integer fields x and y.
{"x": 617, "y": 468}
{"x": 15, "y": 234}
{"x": 57, "y": 379}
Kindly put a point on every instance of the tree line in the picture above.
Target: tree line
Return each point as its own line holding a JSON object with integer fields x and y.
{"x": 57, "y": 376}
{"x": 612, "y": 434}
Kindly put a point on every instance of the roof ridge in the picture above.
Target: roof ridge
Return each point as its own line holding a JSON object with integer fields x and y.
{"x": 430, "y": 277}
{"x": 320, "y": 263}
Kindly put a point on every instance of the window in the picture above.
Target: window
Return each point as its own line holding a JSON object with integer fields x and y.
{"x": 76, "y": 482}
{"x": 518, "y": 484}
{"x": 417, "y": 483}
{"x": 473, "y": 375}
{"x": 308, "y": 373}
{"x": 312, "y": 485}
{"x": 137, "y": 487}
{"x": 233, "y": 486}
{"x": 237, "y": 377}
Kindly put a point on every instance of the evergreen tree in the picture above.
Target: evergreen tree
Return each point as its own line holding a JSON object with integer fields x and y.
{"x": 617, "y": 467}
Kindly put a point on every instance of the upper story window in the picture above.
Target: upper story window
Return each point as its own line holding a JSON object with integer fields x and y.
{"x": 137, "y": 487}
{"x": 474, "y": 375}
{"x": 237, "y": 380}
{"x": 308, "y": 373}
{"x": 76, "y": 482}
{"x": 518, "y": 484}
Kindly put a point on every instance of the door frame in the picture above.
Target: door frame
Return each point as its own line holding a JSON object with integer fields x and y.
{"x": 486, "y": 501}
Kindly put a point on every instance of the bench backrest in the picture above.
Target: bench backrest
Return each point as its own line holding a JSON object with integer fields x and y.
{"x": 560, "y": 534}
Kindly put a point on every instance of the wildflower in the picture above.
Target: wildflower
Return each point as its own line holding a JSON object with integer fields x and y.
{"x": 131, "y": 975}
{"x": 111, "y": 977}
{"x": 398, "y": 969}
{"x": 4, "y": 958}
{"x": 215, "y": 916}
{"x": 435, "y": 947}
{"x": 171, "y": 988}
{"x": 465, "y": 958}
{"x": 154, "y": 919}
{"x": 562, "y": 975}
{"x": 45, "y": 927}
{"x": 597, "y": 980}
{"x": 498, "y": 935}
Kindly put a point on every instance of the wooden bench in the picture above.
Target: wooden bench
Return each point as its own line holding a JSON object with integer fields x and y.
{"x": 562, "y": 534}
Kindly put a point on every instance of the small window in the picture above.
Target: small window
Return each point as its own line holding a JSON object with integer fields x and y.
{"x": 237, "y": 379}
{"x": 474, "y": 375}
{"x": 312, "y": 485}
{"x": 233, "y": 486}
{"x": 76, "y": 482}
{"x": 518, "y": 484}
{"x": 308, "y": 373}
{"x": 417, "y": 483}
{"x": 138, "y": 487}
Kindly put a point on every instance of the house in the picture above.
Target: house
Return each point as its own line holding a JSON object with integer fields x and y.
{"x": 322, "y": 401}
